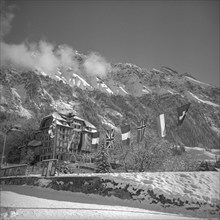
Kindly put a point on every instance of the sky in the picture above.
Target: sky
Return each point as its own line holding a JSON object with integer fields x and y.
{"x": 182, "y": 35}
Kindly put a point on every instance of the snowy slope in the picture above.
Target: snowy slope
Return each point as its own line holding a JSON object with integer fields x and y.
{"x": 190, "y": 186}
{"x": 26, "y": 202}
{"x": 203, "y": 101}
{"x": 194, "y": 194}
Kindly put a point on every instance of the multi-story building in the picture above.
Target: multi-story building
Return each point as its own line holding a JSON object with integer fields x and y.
{"x": 63, "y": 136}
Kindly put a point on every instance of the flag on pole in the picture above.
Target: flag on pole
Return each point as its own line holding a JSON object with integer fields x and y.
{"x": 182, "y": 113}
{"x": 140, "y": 130}
{"x": 162, "y": 125}
{"x": 70, "y": 142}
{"x": 110, "y": 137}
{"x": 125, "y": 134}
{"x": 51, "y": 130}
{"x": 95, "y": 139}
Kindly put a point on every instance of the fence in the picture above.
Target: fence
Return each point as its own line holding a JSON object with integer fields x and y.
{"x": 17, "y": 170}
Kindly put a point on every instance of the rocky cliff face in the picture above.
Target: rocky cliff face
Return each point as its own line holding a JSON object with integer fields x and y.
{"x": 124, "y": 95}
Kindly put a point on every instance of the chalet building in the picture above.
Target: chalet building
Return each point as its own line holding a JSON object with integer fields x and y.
{"x": 63, "y": 136}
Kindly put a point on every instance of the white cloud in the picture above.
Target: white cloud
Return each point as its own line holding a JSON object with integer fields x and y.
{"x": 96, "y": 65}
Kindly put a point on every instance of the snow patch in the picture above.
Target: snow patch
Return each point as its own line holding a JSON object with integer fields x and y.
{"x": 103, "y": 85}
{"x": 61, "y": 79}
{"x": 216, "y": 130}
{"x": 146, "y": 90}
{"x": 51, "y": 204}
{"x": 172, "y": 91}
{"x": 82, "y": 80}
{"x": 44, "y": 182}
{"x": 156, "y": 70}
{"x": 107, "y": 122}
{"x": 24, "y": 112}
{"x": 197, "y": 81}
{"x": 205, "y": 102}
{"x": 123, "y": 90}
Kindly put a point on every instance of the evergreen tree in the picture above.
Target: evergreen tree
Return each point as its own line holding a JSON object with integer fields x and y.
{"x": 102, "y": 162}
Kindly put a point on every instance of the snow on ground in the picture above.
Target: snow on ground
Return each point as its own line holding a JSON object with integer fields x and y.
{"x": 62, "y": 106}
{"x": 200, "y": 100}
{"x": 199, "y": 193}
{"x": 202, "y": 154}
{"x": 82, "y": 80}
{"x": 103, "y": 85}
{"x": 194, "y": 80}
{"x": 25, "y": 202}
{"x": 190, "y": 186}
{"x": 123, "y": 90}
{"x": 172, "y": 91}
{"x": 23, "y": 112}
{"x": 108, "y": 122}
{"x": 146, "y": 90}
{"x": 156, "y": 70}
{"x": 61, "y": 78}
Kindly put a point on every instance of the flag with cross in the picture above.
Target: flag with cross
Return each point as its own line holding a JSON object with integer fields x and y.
{"x": 140, "y": 130}
{"x": 110, "y": 137}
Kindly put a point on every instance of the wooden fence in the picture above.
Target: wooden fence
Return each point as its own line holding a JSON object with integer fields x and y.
{"x": 17, "y": 170}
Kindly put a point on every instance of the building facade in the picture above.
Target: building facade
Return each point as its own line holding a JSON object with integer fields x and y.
{"x": 63, "y": 136}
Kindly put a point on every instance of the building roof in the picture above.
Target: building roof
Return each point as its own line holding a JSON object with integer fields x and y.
{"x": 88, "y": 124}
{"x": 60, "y": 118}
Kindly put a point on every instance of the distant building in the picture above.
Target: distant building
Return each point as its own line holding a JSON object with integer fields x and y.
{"x": 62, "y": 136}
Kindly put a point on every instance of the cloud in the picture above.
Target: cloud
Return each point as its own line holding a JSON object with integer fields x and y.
{"x": 43, "y": 55}
{"x": 66, "y": 56}
{"x": 45, "y": 58}
{"x": 18, "y": 55}
{"x": 96, "y": 65}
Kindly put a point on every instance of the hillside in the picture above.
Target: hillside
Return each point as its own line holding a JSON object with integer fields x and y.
{"x": 125, "y": 94}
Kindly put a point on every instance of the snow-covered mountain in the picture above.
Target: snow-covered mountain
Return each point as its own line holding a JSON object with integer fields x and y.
{"x": 123, "y": 95}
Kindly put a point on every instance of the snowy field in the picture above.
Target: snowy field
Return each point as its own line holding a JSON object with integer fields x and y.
{"x": 25, "y": 202}
{"x": 201, "y": 154}
{"x": 162, "y": 195}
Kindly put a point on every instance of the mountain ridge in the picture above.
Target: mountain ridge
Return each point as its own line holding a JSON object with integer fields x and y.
{"x": 123, "y": 95}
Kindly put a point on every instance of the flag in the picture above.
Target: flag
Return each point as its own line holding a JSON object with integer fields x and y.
{"x": 125, "y": 134}
{"x": 70, "y": 142}
{"x": 161, "y": 125}
{"x": 95, "y": 139}
{"x": 51, "y": 130}
{"x": 182, "y": 113}
{"x": 140, "y": 130}
{"x": 110, "y": 137}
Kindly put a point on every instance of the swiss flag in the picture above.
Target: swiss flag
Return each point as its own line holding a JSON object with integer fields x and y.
{"x": 182, "y": 113}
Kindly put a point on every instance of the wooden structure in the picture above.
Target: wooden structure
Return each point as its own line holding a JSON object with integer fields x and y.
{"x": 49, "y": 167}
{"x": 64, "y": 135}
{"x": 16, "y": 170}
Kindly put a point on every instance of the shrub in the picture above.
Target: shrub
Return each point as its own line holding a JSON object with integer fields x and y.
{"x": 102, "y": 163}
